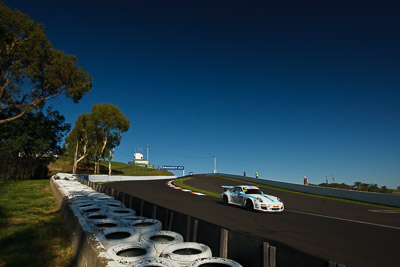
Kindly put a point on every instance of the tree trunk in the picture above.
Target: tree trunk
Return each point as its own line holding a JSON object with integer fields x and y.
{"x": 98, "y": 165}
{"x": 16, "y": 168}
{"x": 75, "y": 159}
{"x": 109, "y": 162}
{"x": 101, "y": 154}
{"x": 5, "y": 169}
{"x": 23, "y": 170}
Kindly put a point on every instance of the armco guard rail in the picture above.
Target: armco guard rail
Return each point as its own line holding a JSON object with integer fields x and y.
{"x": 368, "y": 197}
{"x": 248, "y": 250}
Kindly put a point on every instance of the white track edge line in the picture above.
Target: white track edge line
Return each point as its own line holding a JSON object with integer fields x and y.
{"x": 348, "y": 220}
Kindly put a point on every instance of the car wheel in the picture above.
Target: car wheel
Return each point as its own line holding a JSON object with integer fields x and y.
{"x": 249, "y": 205}
{"x": 225, "y": 200}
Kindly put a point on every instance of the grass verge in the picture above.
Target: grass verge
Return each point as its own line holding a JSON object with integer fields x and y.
{"x": 31, "y": 226}
{"x": 118, "y": 168}
{"x": 180, "y": 183}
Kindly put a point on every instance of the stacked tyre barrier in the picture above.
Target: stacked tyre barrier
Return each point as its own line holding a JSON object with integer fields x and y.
{"x": 107, "y": 233}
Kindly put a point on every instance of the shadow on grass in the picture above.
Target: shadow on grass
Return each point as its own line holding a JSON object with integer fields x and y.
{"x": 3, "y": 218}
{"x": 34, "y": 245}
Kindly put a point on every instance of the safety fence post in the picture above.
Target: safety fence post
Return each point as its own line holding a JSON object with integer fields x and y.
{"x": 195, "y": 227}
{"x": 188, "y": 223}
{"x": 123, "y": 198}
{"x": 265, "y": 254}
{"x": 272, "y": 256}
{"x": 141, "y": 207}
{"x": 223, "y": 243}
{"x": 269, "y": 255}
{"x": 154, "y": 213}
{"x": 165, "y": 223}
{"x": 171, "y": 218}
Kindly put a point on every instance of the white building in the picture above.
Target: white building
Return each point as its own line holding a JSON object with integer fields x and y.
{"x": 139, "y": 161}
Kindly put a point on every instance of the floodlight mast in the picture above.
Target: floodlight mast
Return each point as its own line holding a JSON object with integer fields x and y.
{"x": 215, "y": 163}
{"x": 148, "y": 154}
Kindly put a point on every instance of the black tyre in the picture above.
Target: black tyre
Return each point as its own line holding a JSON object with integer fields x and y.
{"x": 249, "y": 205}
{"x": 225, "y": 200}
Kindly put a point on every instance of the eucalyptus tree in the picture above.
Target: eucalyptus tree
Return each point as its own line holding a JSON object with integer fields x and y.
{"x": 31, "y": 70}
{"x": 96, "y": 134}
{"x": 81, "y": 139}
{"x": 111, "y": 123}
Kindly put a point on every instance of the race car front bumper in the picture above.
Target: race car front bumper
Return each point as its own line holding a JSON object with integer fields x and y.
{"x": 269, "y": 208}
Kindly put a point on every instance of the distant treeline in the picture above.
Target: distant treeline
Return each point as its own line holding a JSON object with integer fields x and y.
{"x": 359, "y": 186}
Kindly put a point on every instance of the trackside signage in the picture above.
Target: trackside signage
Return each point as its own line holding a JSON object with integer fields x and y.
{"x": 173, "y": 168}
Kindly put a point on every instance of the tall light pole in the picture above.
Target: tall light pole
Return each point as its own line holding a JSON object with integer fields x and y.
{"x": 215, "y": 163}
{"x": 148, "y": 161}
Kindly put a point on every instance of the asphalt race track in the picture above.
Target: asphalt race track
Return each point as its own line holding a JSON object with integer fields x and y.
{"x": 347, "y": 233}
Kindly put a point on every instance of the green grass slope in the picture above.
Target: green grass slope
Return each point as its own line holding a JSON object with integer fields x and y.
{"x": 118, "y": 168}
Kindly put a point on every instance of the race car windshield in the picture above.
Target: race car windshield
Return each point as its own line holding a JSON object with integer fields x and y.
{"x": 253, "y": 191}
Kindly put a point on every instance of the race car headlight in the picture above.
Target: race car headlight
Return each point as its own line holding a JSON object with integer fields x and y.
{"x": 260, "y": 199}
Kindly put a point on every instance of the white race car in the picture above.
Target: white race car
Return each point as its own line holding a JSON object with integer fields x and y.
{"x": 251, "y": 197}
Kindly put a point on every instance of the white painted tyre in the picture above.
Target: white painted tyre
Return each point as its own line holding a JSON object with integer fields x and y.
{"x": 104, "y": 224}
{"x": 146, "y": 225}
{"x": 130, "y": 218}
{"x": 186, "y": 252}
{"x": 111, "y": 204}
{"x": 66, "y": 176}
{"x": 83, "y": 204}
{"x": 86, "y": 211}
{"x": 121, "y": 212}
{"x": 96, "y": 216}
{"x": 117, "y": 235}
{"x": 74, "y": 198}
{"x": 156, "y": 262}
{"x": 214, "y": 261}
{"x": 105, "y": 198}
{"x": 96, "y": 195}
{"x": 161, "y": 239}
{"x": 128, "y": 253}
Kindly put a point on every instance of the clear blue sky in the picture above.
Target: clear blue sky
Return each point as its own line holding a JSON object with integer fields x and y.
{"x": 284, "y": 88}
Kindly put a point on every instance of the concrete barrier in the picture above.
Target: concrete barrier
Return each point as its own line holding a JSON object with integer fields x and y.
{"x": 368, "y": 197}
{"x": 87, "y": 250}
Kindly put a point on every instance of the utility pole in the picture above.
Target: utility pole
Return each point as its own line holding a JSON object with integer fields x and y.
{"x": 215, "y": 163}
{"x": 148, "y": 160}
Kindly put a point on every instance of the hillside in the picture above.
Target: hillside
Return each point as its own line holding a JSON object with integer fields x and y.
{"x": 118, "y": 168}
